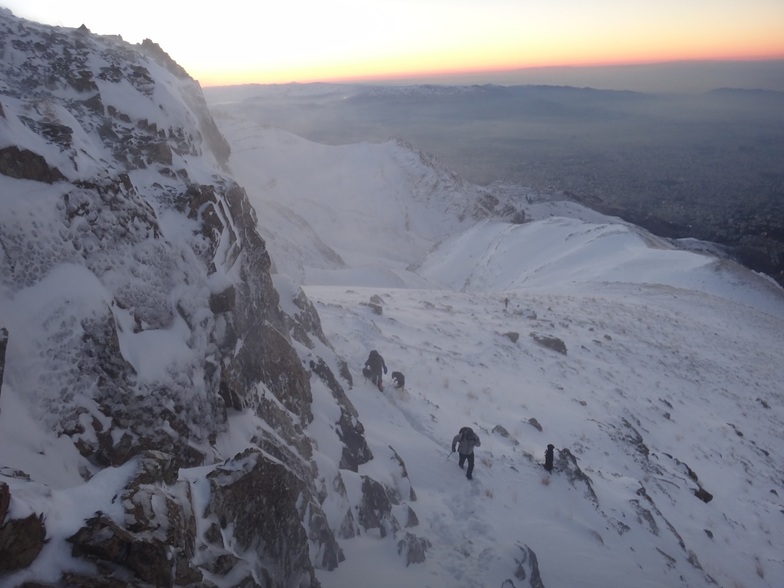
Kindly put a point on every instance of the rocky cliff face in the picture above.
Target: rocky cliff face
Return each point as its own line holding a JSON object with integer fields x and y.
{"x": 143, "y": 322}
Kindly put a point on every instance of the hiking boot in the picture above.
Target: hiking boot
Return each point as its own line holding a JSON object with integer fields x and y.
{"x": 469, "y": 476}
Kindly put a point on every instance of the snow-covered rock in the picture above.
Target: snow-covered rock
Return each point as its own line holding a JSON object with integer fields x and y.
{"x": 146, "y": 335}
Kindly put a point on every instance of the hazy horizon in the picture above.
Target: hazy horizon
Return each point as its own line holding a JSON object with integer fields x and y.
{"x": 665, "y": 77}
{"x": 308, "y": 41}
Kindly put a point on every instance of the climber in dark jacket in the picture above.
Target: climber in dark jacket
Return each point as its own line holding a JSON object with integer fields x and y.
{"x": 373, "y": 367}
{"x": 465, "y": 441}
{"x": 548, "y": 458}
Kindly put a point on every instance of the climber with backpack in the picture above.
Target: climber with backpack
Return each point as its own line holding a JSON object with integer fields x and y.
{"x": 465, "y": 441}
{"x": 373, "y": 367}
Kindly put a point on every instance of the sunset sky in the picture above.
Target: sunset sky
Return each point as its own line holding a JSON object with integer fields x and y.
{"x": 237, "y": 41}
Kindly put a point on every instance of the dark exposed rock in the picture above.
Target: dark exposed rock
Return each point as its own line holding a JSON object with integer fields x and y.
{"x": 550, "y": 342}
{"x": 5, "y": 500}
{"x": 650, "y": 514}
{"x": 264, "y": 503}
{"x": 375, "y": 511}
{"x": 653, "y": 511}
{"x": 26, "y": 165}
{"x": 349, "y": 429}
{"x": 636, "y": 440}
{"x": 345, "y": 373}
{"x": 535, "y": 424}
{"x": 103, "y": 540}
{"x": 156, "y": 541}
{"x": 699, "y": 492}
{"x": 527, "y": 568}
{"x": 567, "y": 463}
{"x": 156, "y": 467}
{"x": 413, "y": 548}
{"x": 500, "y": 430}
{"x": 412, "y": 519}
{"x": 3, "y": 346}
{"x": 74, "y": 580}
{"x": 512, "y": 336}
{"x": 404, "y": 474}
{"x": 223, "y": 301}
{"x": 644, "y": 515}
{"x": 21, "y": 540}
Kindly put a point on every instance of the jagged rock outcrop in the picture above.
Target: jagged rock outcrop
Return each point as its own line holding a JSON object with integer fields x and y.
{"x": 264, "y": 505}
{"x": 566, "y": 462}
{"x": 26, "y": 165}
{"x": 21, "y": 540}
{"x": 527, "y": 571}
{"x": 158, "y": 319}
{"x": 380, "y": 510}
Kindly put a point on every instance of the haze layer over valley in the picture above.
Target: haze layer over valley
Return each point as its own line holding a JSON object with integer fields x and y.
{"x": 706, "y": 165}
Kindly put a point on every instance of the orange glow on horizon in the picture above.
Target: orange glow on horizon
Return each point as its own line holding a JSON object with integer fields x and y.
{"x": 634, "y": 37}
{"x": 392, "y": 70}
{"x": 310, "y": 40}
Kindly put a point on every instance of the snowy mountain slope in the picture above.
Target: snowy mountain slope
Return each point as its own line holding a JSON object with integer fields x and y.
{"x": 367, "y": 204}
{"x": 670, "y": 386}
{"x": 206, "y": 429}
{"x": 574, "y": 253}
{"x": 157, "y": 383}
{"x": 638, "y": 385}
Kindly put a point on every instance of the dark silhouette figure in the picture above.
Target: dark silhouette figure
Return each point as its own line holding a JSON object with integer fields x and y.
{"x": 548, "y": 458}
{"x": 373, "y": 368}
{"x": 465, "y": 441}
